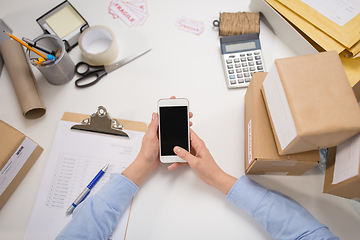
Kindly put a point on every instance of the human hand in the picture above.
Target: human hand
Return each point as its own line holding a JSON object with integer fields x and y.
{"x": 148, "y": 158}
{"x": 202, "y": 162}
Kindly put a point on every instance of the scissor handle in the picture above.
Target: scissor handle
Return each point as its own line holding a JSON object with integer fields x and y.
{"x": 87, "y": 68}
{"x": 98, "y": 74}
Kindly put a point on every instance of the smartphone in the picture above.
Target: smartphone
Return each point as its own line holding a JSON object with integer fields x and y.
{"x": 173, "y": 128}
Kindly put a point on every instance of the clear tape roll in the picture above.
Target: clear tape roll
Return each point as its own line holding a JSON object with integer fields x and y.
{"x": 98, "y": 45}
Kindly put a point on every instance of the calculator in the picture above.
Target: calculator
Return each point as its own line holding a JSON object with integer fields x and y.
{"x": 242, "y": 57}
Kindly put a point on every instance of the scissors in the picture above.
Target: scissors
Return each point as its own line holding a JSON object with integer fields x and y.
{"x": 97, "y": 72}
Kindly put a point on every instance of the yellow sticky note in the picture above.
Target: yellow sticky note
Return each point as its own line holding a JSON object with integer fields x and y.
{"x": 65, "y": 21}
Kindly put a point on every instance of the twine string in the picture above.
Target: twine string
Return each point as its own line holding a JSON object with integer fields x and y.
{"x": 239, "y": 23}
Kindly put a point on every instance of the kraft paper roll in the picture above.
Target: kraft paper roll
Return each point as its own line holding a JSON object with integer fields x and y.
{"x": 98, "y": 45}
{"x": 23, "y": 80}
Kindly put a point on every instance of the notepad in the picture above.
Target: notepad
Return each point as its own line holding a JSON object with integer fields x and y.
{"x": 65, "y": 21}
{"x": 75, "y": 158}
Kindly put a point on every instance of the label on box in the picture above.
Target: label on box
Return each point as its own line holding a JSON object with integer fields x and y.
{"x": 283, "y": 163}
{"x": 276, "y": 173}
{"x": 16, "y": 162}
{"x": 279, "y": 108}
{"x": 249, "y": 142}
{"x": 347, "y": 160}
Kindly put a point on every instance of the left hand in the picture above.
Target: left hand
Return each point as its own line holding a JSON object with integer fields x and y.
{"x": 148, "y": 158}
{"x": 149, "y": 152}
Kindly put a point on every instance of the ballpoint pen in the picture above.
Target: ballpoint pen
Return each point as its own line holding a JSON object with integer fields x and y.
{"x": 38, "y": 46}
{"x": 26, "y": 45}
{"x": 86, "y": 191}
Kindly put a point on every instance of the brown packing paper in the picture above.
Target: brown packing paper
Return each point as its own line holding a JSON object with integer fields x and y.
{"x": 321, "y": 101}
{"x": 23, "y": 80}
{"x": 10, "y": 140}
{"x": 261, "y": 155}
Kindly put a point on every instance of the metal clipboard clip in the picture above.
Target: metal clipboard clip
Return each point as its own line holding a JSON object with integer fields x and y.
{"x": 100, "y": 122}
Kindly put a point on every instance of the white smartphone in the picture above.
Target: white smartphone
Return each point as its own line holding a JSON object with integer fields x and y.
{"x": 173, "y": 128}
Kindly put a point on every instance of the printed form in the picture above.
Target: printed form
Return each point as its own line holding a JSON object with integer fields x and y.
{"x": 338, "y": 11}
{"x": 74, "y": 160}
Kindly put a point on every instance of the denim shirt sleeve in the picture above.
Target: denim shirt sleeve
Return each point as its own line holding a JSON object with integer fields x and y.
{"x": 97, "y": 215}
{"x": 281, "y": 216}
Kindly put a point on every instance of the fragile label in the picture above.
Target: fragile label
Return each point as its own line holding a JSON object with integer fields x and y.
{"x": 249, "y": 143}
{"x": 132, "y": 13}
{"x": 189, "y": 25}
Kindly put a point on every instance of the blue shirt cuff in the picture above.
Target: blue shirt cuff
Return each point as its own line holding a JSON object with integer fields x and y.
{"x": 247, "y": 194}
{"x": 118, "y": 192}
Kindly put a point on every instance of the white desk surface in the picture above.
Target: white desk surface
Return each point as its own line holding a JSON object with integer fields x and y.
{"x": 169, "y": 205}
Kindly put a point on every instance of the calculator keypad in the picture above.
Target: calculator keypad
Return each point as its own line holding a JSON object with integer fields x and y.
{"x": 241, "y": 66}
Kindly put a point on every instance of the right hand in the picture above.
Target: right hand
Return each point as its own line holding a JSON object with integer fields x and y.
{"x": 204, "y": 164}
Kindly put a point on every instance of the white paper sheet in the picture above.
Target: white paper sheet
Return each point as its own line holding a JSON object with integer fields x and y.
{"x": 347, "y": 160}
{"x": 279, "y": 108}
{"x": 16, "y": 162}
{"x": 338, "y": 11}
{"x": 75, "y": 158}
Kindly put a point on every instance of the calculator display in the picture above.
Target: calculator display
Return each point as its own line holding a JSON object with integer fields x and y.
{"x": 240, "y": 46}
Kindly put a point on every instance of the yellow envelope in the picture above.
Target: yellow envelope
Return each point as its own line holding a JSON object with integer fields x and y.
{"x": 347, "y": 34}
{"x": 352, "y": 69}
{"x": 315, "y": 34}
{"x": 321, "y": 41}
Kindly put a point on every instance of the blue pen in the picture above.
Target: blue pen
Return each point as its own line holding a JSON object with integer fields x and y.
{"x": 86, "y": 191}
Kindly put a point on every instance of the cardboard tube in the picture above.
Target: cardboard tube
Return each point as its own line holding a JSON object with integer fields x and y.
{"x": 23, "y": 80}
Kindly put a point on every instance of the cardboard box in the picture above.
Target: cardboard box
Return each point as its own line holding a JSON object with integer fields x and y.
{"x": 310, "y": 103}
{"x": 261, "y": 155}
{"x": 356, "y": 89}
{"x": 18, "y": 154}
{"x": 346, "y": 169}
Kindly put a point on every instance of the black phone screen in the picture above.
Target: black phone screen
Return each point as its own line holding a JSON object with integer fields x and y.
{"x": 173, "y": 129}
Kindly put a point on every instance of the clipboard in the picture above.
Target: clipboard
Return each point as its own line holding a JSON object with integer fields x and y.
{"x": 74, "y": 158}
{"x": 106, "y": 125}
{"x": 126, "y": 124}
{"x": 11, "y": 141}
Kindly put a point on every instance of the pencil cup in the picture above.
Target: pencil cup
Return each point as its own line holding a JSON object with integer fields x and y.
{"x": 59, "y": 72}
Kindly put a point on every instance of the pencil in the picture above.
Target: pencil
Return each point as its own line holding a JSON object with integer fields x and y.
{"x": 24, "y": 44}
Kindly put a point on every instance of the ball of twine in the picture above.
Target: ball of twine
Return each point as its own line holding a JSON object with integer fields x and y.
{"x": 239, "y": 23}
